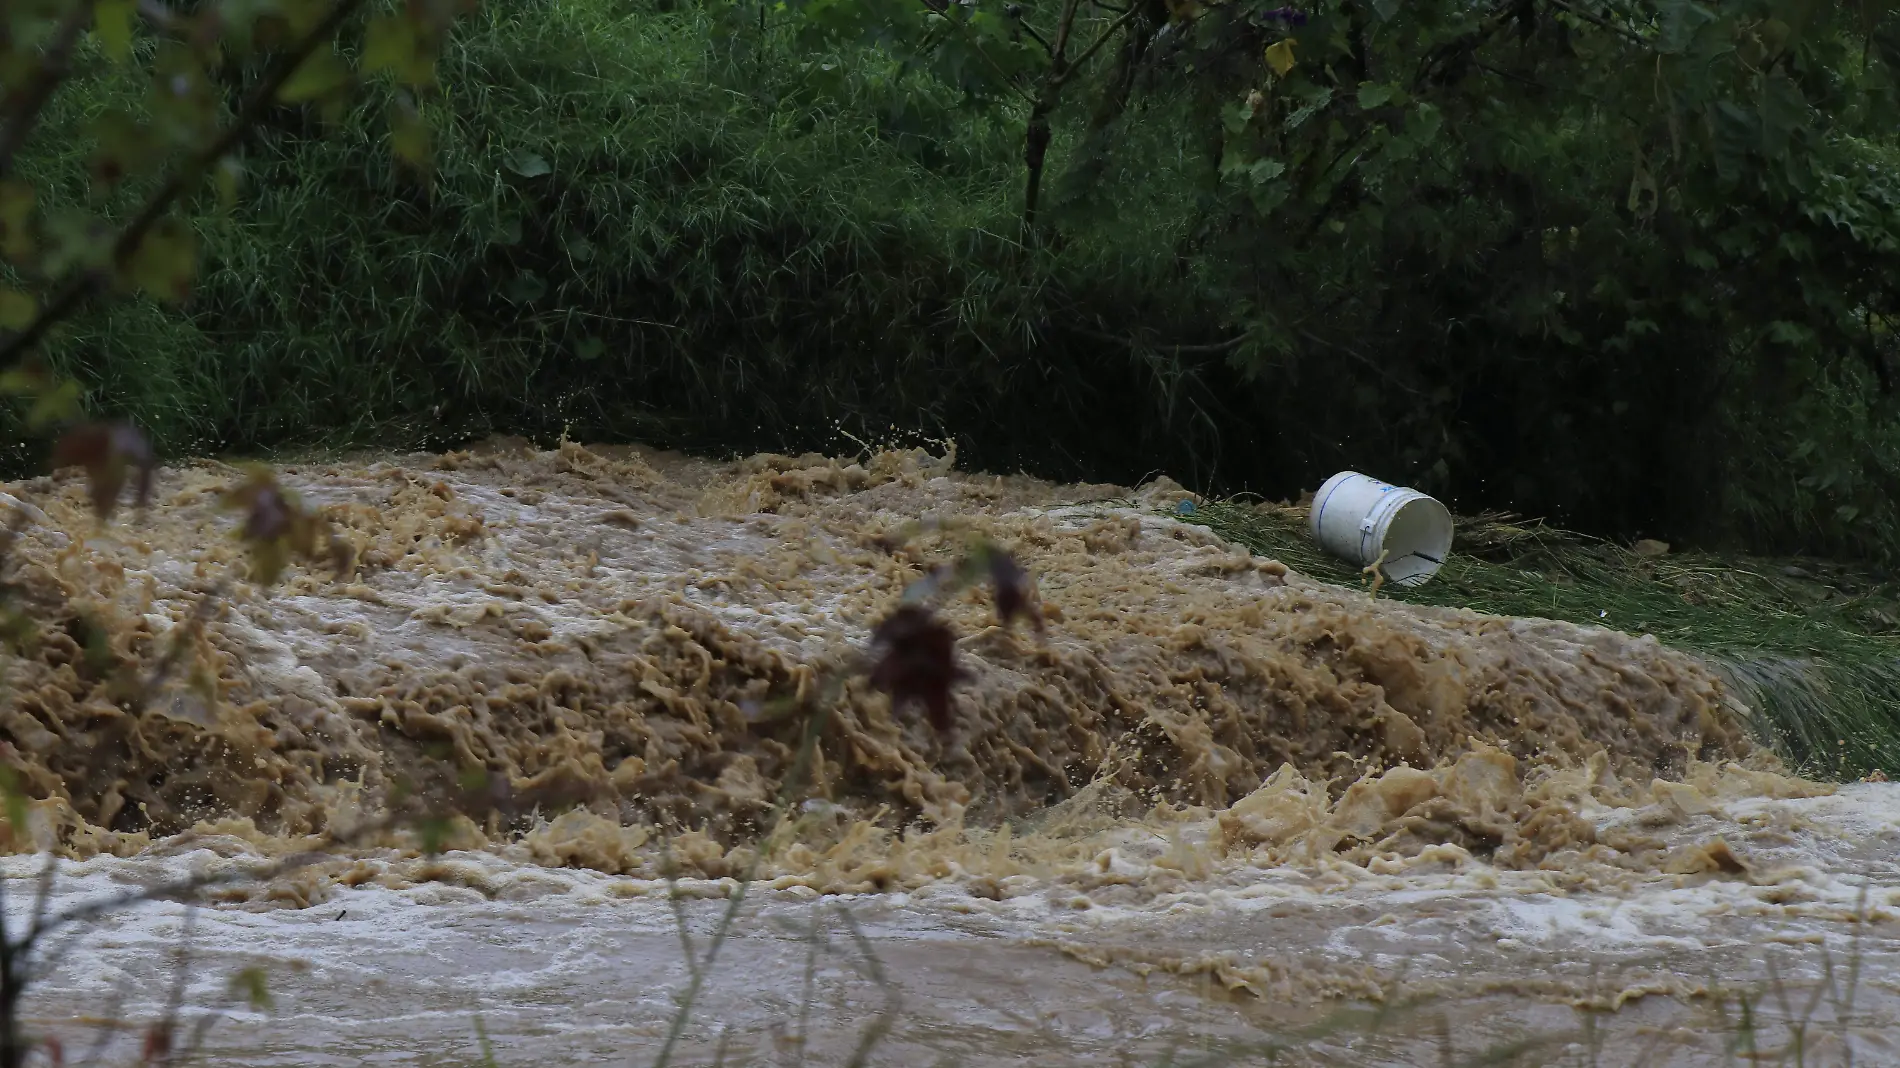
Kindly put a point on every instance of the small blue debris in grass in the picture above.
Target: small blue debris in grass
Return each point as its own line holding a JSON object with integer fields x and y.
{"x": 1184, "y": 508}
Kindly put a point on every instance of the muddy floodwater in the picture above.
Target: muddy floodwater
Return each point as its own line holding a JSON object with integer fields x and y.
{"x": 1212, "y": 812}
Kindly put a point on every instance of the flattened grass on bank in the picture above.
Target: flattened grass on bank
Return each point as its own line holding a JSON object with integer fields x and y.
{"x": 1812, "y": 648}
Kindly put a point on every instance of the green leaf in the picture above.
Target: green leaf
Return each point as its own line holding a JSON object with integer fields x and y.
{"x": 57, "y": 404}
{"x": 590, "y": 348}
{"x": 1784, "y": 113}
{"x": 227, "y": 176}
{"x": 434, "y": 832}
{"x": 16, "y": 221}
{"x": 22, "y": 381}
{"x": 1315, "y": 104}
{"x": 1280, "y": 56}
{"x": 112, "y": 21}
{"x": 529, "y": 165}
{"x": 124, "y": 147}
{"x": 302, "y": 16}
{"x": 15, "y": 803}
{"x": 1265, "y": 170}
{"x": 320, "y": 77}
{"x": 253, "y": 986}
{"x": 393, "y": 45}
{"x": 1378, "y": 94}
{"x": 389, "y": 44}
{"x": 526, "y": 288}
{"x": 409, "y": 136}
{"x": 166, "y": 262}
{"x": 17, "y": 309}
{"x": 183, "y": 103}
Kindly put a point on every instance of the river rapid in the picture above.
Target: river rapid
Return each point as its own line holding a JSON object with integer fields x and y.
{"x": 1213, "y": 812}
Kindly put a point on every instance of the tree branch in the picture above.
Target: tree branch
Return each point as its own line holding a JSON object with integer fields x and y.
{"x": 1001, "y": 74}
{"x": 1601, "y": 23}
{"x": 83, "y": 288}
{"x": 1114, "y": 28}
{"x": 1209, "y": 348}
{"x": 52, "y": 71}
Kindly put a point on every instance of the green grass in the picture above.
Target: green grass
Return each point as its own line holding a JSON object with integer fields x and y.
{"x": 1812, "y": 648}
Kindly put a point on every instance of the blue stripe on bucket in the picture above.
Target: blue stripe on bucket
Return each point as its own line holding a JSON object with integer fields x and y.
{"x": 1319, "y": 517}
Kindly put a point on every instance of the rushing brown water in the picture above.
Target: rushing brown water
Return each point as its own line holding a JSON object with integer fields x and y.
{"x": 1211, "y": 804}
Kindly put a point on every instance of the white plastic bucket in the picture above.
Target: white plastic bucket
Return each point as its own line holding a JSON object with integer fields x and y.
{"x": 1357, "y": 517}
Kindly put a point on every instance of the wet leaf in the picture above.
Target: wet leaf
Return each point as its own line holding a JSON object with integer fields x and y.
{"x": 158, "y": 1044}
{"x": 112, "y": 20}
{"x": 277, "y": 528}
{"x": 914, "y": 661}
{"x": 16, "y": 220}
{"x": 434, "y": 832}
{"x": 395, "y": 45}
{"x": 409, "y": 136}
{"x": 528, "y": 165}
{"x": 57, "y": 402}
{"x": 302, "y": 16}
{"x": 24, "y": 381}
{"x": 124, "y": 147}
{"x": 227, "y": 176}
{"x": 525, "y": 288}
{"x": 15, "y": 799}
{"x": 183, "y": 103}
{"x": 18, "y": 632}
{"x": 17, "y": 309}
{"x": 165, "y": 264}
{"x": 1280, "y": 56}
{"x": 253, "y": 985}
{"x": 112, "y": 455}
{"x": 1014, "y": 591}
{"x": 319, "y": 77}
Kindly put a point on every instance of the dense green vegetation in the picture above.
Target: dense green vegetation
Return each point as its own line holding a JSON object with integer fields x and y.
{"x": 1626, "y": 264}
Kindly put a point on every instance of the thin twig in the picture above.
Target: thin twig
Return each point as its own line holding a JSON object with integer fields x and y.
{"x": 811, "y": 971}
{"x": 893, "y": 998}
{"x": 814, "y": 729}
{"x": 1212, "y": 347}
{"x": 1089, "y": 52}
{"x": 103, "y": 1035}
{"x": 976, "y": 46}
{"x": 166, "y": 1029}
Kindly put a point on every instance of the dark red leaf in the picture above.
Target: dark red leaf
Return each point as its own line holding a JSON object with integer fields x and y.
{"x": 158, "y": 1044}
{"x": 914, "y": 660}
{"x": 112, "y": 454}
{"x": 277, "y": 527}
{"x": 1013, "y": 589}
{"x": 267, "y": 515}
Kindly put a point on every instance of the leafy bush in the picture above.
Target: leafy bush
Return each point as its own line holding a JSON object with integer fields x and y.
{"x": 1623, "y": 264}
